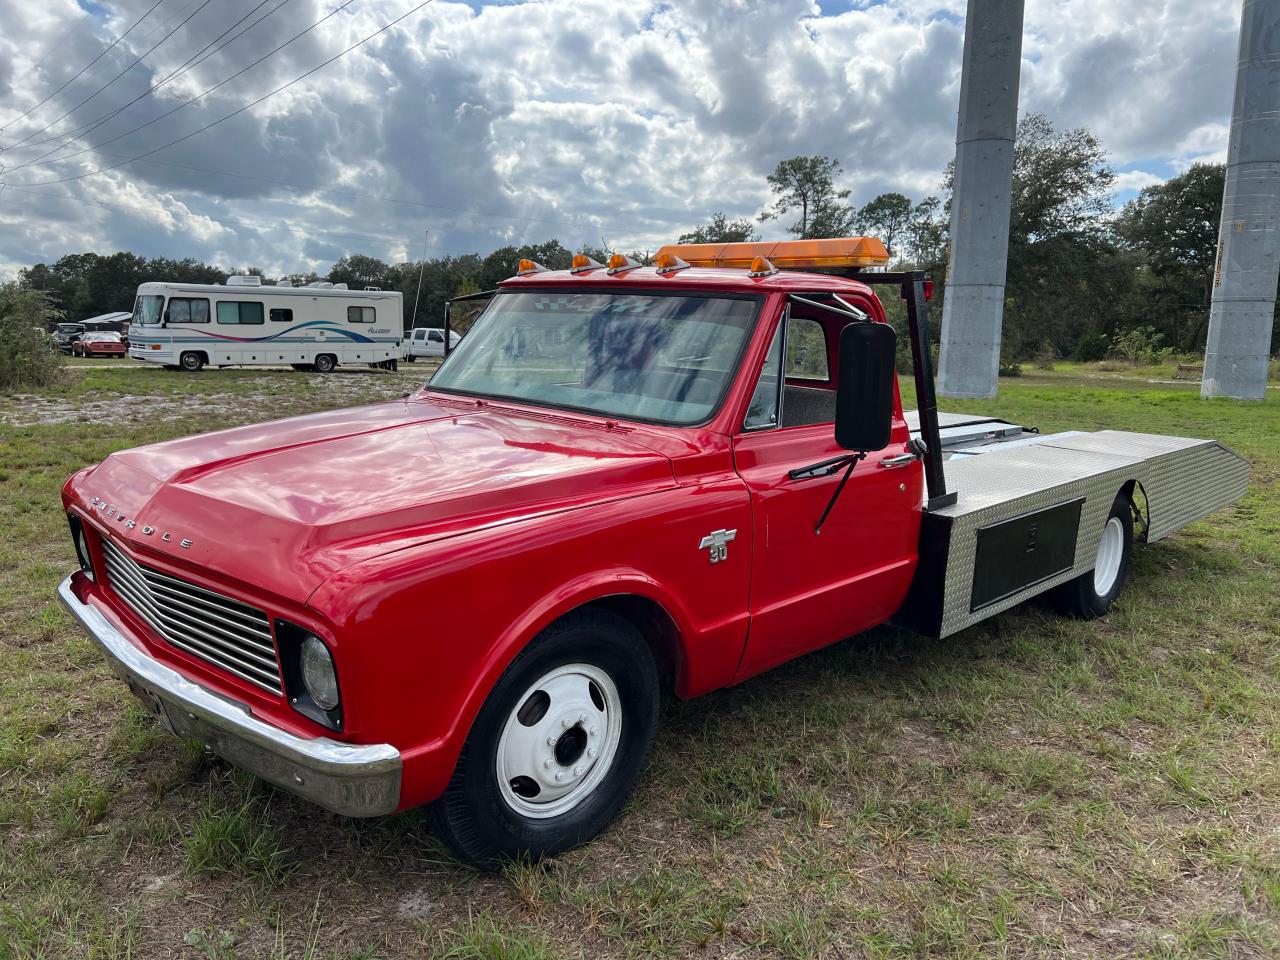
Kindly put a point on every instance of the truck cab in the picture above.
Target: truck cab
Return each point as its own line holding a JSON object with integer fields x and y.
{"x": 622, "y": 477}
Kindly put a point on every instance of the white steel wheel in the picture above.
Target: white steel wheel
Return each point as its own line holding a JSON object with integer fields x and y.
{"x": 559, "y": 741}
{"x": 1111, "y": 550}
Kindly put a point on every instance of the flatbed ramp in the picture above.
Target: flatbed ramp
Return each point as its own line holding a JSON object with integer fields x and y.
{"x": 1030, "y": 510}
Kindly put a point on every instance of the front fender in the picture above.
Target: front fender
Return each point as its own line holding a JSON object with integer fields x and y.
{"x": 426, "y": 632}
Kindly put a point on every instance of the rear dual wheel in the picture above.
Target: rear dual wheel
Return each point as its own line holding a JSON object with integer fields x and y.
{"x": 558, "y": 745}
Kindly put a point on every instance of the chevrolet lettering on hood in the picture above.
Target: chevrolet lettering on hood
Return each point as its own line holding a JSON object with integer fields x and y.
{"x": 110, "y": 512}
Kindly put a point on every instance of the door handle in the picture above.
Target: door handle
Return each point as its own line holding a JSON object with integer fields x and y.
{"x": 901, "y": 460}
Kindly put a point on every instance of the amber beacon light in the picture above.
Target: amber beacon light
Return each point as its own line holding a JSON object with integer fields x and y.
{"x": 838, "y": 252}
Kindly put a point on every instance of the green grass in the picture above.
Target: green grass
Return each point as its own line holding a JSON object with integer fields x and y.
{"x": 1032, "y": 787}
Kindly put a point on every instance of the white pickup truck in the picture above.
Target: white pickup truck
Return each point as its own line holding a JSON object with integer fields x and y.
{"x": 429, "y": 342}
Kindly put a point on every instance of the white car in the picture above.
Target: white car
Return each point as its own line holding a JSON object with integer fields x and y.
{"x": 429, "y": 342}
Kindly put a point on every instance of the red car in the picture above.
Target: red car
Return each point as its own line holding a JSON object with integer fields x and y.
{"x": 99, "y": 345}
{"x": 622, "y": 477}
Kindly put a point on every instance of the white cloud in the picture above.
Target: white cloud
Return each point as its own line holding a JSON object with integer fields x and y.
{"x": 581, "y": 119}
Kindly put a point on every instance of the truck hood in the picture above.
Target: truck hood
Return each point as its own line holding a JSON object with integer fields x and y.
{"x": 284, "y": 505}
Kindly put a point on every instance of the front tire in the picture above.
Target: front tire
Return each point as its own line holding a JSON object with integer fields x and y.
{"x": 325, "y": 363}
{"x": 557, "y": 747}
{"x": 1091, "y": 594}
{"x": 191, "y": 361}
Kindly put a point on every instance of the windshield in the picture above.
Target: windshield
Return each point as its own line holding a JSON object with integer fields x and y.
{"x": 147, "y": 309}
{"x": 70, "y": 327}
{"x": 643, "y": 356}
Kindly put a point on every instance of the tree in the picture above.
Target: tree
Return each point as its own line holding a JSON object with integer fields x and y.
{"x": 358, "y": 271}
{"x": 722, "y": 230}
{"x": 28, "y": 358}
{"x": 1173, "y": 229}
{"x": 888, "y": 216}
{"x": 1066, "y": 278}
{"x": 927, "y": 234}
{"x": 807, "y": 184}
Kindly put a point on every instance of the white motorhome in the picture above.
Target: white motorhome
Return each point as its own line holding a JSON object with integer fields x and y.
{"x": 244, "y": 323}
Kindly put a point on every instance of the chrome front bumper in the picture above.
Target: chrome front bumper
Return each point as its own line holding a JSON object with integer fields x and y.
{"x": 349, "y": 779}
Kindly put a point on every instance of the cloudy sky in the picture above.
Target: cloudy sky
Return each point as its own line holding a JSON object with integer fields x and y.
{"x": 622, "y": 121}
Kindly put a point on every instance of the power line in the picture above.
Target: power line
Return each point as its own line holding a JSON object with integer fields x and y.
{"x": 192, "y": 62}
{"x": 205, "y": 93}
{"x": 149, "y": 51}
{"x": 82, "y": 69}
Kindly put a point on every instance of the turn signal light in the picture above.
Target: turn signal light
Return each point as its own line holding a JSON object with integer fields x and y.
{"x": 527, "y": 267}
{"x": 838, "y": 252}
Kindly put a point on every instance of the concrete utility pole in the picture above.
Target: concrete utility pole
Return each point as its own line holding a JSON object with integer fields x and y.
{"x": 974, "y": 307}
{"x": 1248, "y": 263}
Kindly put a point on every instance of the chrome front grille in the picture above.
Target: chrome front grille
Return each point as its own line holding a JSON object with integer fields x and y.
{"x": 225, "y": 632}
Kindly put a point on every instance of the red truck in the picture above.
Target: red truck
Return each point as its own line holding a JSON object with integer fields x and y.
{"x": 621, "y": 477}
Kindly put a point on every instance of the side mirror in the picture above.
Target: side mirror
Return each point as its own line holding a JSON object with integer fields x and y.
{"x": 864, "y": 393}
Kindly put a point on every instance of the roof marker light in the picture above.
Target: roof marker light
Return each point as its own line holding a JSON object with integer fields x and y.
{"x": 668, "y": 263}
{"x": 760, "y": 267}
{"x": 620, "y": 262}
{"x": 583, "y": 264}
{"x": 526, "y": 267}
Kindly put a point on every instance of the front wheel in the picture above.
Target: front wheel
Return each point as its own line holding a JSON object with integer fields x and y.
{"x": 1091, "y": 594}
{"x": 557, "y": 747}
{"x": 191, "y": 361}
{"x": 325, "y": 363}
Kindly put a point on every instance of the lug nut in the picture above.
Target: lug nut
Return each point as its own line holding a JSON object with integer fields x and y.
{"x": 547, "y": 763}
{"x": 551, "y": 741}
{"x": 565, "y": 723}
{"x": 595, "y": 731}
{"x": 591, "y": 751}
{"x": 577, "y": 771}
{"x": 559, "y": 774}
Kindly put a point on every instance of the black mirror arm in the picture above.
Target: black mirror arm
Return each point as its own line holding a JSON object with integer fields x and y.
{"x": 853, "y": 459}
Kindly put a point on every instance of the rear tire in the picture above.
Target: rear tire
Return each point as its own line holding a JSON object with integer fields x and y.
{"x": 191, "y": 361}
{"x": 326, "y": 363}
{"x": 557, "y": 746}
{"x": 411, "y": 359}
{"x": 1091, "y": 594}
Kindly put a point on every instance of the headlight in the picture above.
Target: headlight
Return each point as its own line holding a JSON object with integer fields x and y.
{"x": 82, "y": 545}
{"x": 317, "y": 673}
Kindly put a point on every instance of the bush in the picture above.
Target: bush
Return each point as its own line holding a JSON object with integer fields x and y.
{"x": 27, "y": 357}
{"x": 1138, "y": 346}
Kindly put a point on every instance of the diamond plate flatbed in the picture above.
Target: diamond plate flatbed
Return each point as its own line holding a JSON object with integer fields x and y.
{"x": 1015, "y": 478}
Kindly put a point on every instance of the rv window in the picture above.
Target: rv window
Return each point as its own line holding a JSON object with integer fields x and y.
{"x": 188, "y": 310}
{"x": 360, "y": 315}
{"x": 239, "y": 312}
{"x": 281, "y": 316}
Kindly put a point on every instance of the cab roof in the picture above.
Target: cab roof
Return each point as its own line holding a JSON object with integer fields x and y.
{"x": 720, "y": 279}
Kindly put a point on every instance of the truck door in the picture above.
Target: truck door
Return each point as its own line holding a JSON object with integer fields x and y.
{"x": 809, "y": 589}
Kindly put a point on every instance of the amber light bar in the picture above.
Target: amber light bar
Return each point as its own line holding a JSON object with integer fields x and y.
{"x": 839, "y": 252}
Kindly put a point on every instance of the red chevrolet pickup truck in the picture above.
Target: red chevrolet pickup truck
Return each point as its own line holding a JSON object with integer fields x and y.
{"x": 622, "y": 476}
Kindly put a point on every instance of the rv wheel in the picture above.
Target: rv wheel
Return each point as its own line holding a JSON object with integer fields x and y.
{"x": 325, "y": 363}
{"x": 191, "y": 361}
